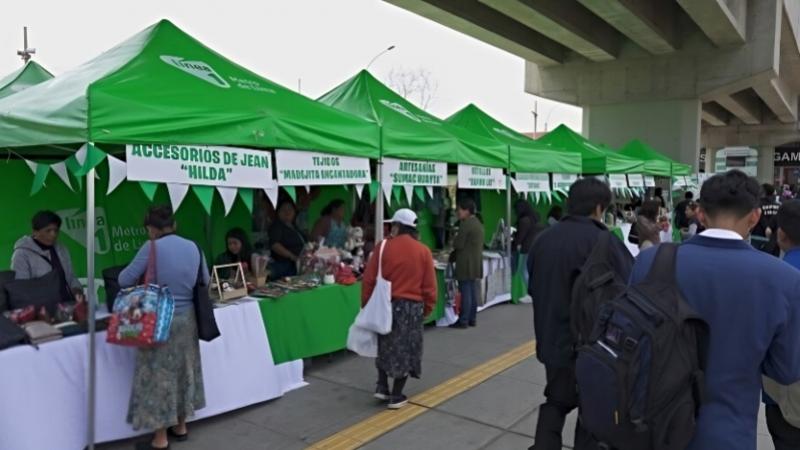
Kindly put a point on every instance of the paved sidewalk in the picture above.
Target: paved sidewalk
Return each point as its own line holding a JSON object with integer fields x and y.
{"x": 499, "y": 413}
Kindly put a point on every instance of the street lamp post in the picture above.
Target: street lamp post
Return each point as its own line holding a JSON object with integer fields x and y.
{"x": 379, "y": 55}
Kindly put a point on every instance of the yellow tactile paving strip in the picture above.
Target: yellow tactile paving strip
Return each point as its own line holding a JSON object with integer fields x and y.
{"x": 383, "y": 422}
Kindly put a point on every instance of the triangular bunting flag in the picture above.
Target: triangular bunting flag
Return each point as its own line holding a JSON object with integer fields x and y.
{"x": 61, "y": 170}
{"x": 92, "y": 158}
{"x": 149, "y": 189}
{"x": 247, "y": 198}
{"x": 272, "y": 195}
{"x": 409, "y": 193}
{"x": 292, "y": 192}
{"x": 177, "y": 192}
{"x": 387, "y": 192}
{"x": 73, "y": 166}
{"x": 39, "y": 176}
{"x": 206, "y": 196}
{"x": 430, "y": 190}
{"x": 359, "y": 190}
{"x": 420, "y": 193}
{"x": 31, "y": 165}
{"x": 228, "y": 195}
{"x": 308, "y": 189}
{"x": 374, "y": 190}
{"x": 396, "y": 192}
{"x": 117, "y": 171}
{"x": 80, "y": 156}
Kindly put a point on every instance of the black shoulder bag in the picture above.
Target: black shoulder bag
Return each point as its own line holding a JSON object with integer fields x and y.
{"x": 207, "y": 329}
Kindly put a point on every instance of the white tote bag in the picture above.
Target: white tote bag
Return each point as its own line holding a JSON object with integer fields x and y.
{"x": 362, "y": 342}
{"x": 377, "y": 314}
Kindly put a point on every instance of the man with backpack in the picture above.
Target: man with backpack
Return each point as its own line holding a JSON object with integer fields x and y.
{"x": 783, "y": 413}
{"x": 555, "y": 260}
{"x": 751, "y": 304}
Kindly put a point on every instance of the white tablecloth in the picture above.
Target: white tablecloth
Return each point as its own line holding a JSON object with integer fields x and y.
{"x": 43, "y": 403}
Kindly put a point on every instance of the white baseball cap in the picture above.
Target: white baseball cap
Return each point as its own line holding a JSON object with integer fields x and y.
{"x": 405, "y": 217}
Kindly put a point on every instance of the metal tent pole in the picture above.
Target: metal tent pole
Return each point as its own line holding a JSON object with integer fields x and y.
{"x": 91, "y": 298}
{"x": 508, "y": 226}
{"x": 379, "y": 198}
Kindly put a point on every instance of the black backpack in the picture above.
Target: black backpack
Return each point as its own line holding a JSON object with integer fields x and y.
{"x": 598, "y": 282}
{"x": 640, "y": 375}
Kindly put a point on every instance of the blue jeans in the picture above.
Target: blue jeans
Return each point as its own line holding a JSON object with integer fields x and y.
{"x": 469, "y": 301}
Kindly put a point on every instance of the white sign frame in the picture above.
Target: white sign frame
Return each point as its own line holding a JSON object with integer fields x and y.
{"x": 307, "y": 168}
{"x": 563, "y": 181}
{"x": 204, "y": 165}
{"x": 649, "y": 181}
{"x": 479, "y": 177}
{"x": 636, "y": 181}
{"x": 617, "y": 181}
{"x": 532, "y": 182}
{"x": 405, "y": 172}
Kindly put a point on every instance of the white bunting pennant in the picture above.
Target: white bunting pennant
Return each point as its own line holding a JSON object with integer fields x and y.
{"x": 61, "y": 170}
{"x": 272, "y": 194}
{"x": 117, "y": 171}
{"x": 32, "y": 165}
{"x": 409, "y": 193}
{"x": 80, "y": 155}
{"x": 430, "y": 190}
{"x": 360, "y": 190}
{"x": 177, "y": 192}
{"x": 387, "y": 192}
{"x": 228, "y": 195}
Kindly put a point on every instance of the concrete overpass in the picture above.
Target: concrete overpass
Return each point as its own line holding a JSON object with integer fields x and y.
{"x": 680, "y": 74}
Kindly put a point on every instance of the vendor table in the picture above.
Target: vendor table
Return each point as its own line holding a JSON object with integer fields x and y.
{"x": 315, "y": 322}
{"x": 44, "y": 391}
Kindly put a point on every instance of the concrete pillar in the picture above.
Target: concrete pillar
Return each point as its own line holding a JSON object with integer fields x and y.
{"x": 671, "y": 127}
{"x": 766, "y": 164}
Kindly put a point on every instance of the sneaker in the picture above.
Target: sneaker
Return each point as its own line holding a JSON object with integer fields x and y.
{"x": 473, "y": 324}
{"x": 397, "y": 401}
{"x": 459, "y": 325}
{"x": 382, "y": 393}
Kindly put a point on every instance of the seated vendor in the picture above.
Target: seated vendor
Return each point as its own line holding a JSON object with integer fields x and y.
{"x": 39, "y": 254}
{"x": 237, "y": 250}
{"x": 331, "y": 226}
{"x": 286, "y": 242}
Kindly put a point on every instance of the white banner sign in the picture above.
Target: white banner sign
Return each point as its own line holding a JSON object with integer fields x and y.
{"x": 564, "y": 180}
{"x": 617, "y": 181}
{"x": 532, "y": 182}
{"x": 649, "y": 181}
{"x": 476, "y": 177}
{"x": 635, "y": 181}
{"x": 298, "y": 168}
{"x": 401, "y": 172}
{"x": 200, "y": 165}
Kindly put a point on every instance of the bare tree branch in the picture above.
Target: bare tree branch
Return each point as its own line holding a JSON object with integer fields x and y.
{"x": 417, "y": 85}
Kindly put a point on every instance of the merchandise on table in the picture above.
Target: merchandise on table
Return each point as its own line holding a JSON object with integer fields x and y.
{"x": 228, "y": 288}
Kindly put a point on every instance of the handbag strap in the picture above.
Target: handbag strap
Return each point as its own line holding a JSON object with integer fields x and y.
{"x": 150, "y": 272}
{"x": 380, "y": 258}
{"x": 199, "y": 282}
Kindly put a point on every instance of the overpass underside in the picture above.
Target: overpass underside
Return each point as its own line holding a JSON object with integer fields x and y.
{"x": 660, "y": 70}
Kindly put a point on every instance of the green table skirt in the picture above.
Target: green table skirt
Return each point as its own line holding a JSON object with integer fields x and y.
{"x": 315, "y": 322}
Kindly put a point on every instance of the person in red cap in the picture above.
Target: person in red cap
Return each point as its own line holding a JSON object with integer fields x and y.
{"x": 408, "y": 265}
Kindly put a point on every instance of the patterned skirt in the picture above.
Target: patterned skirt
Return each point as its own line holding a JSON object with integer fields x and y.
{"x": 400, "y": 351}
{"x": 168, "y": 381}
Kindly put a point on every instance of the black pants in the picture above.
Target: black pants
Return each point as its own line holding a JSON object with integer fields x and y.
{"x": 784, "y": 435}
{"x": 561, "y": 396}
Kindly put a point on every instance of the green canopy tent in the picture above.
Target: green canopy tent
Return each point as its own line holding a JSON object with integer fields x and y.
{"x": 29, "y": 75}
{"x": 164, "y": 87}
{"x": 596, "y": 160}
{"x": 526, "y": 155}
{"x": 408, "y": 132}
{"x": 655, "y": 163}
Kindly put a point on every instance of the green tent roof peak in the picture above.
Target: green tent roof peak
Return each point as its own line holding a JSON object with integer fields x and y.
{"x": 596, "y": 159}
{"x": 31, "y": 74}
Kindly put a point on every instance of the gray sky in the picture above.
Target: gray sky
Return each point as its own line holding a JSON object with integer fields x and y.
{"x": 322, "y": 42}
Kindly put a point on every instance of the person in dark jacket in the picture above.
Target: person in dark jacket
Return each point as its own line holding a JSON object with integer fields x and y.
{"x": 468, "y": 257}
{"x": 557, "y": 257}
{"x": 528, "y": 227}
{"x": 680, "y": 210}
{"x": 767, "y": 223}
{"x": 751, "y": 303}
{"x": 237, "y": 250}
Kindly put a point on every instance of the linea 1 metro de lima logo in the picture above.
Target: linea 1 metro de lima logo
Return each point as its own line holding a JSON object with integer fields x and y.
{"x": 198, "y": 69}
